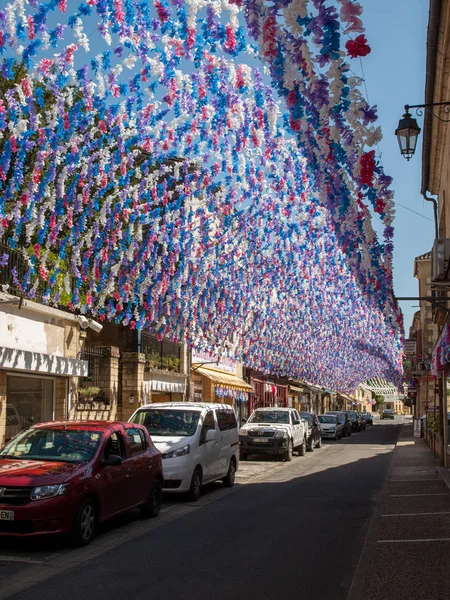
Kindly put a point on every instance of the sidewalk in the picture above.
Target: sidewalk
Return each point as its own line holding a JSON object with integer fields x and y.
{"x": 407, "y": 551}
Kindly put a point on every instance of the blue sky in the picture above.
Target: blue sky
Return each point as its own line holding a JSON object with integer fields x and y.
{"x": 395, "y": 76}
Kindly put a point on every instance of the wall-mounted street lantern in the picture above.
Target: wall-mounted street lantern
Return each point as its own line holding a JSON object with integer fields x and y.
{"x": 408, "y": 131}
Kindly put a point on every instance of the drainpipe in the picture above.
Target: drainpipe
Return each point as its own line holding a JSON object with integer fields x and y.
{"x": 435, "y": 212}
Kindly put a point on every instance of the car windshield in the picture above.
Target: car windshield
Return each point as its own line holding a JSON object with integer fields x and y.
{"x": 269, "y": 416}
{"x": 62, "y": 445}
{"x": 167, "y": 422}
{"x": 327, "y": 418}
{"x": 339, "y": 416}
{"x": 307, "y": 417}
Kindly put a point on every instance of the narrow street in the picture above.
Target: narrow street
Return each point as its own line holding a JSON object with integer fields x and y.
{"x": 286, "y": 530}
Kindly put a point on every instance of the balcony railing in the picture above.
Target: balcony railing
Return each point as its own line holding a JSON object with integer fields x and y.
{"x": 161, "y": 355}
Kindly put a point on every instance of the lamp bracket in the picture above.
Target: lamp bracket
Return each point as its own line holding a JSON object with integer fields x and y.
{"x": 420, "y": 108}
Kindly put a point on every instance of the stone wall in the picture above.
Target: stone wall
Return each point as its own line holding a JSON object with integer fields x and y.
{"x": 133, "y": 365}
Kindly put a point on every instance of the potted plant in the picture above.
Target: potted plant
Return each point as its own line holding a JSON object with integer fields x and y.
{"x": 87, "y": 395}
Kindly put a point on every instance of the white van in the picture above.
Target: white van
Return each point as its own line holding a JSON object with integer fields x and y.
{"x": 199, "y": 443}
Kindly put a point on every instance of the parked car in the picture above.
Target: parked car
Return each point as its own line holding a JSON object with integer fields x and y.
{"x": 356, "y": 421}
{"x": 368, "y": 418}
{"x": 330, "y": 426}
{"x": 314, "y": 439}
{"x": 274, "y": 431}
{"x": 66, "y": 477}
{"x": 344, "y": 420}
{"x": 387, "y": 413}
{"x": 199, "y": 443}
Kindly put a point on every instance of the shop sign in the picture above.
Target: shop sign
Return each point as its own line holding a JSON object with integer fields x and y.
{"x": 214, "y": 361}
{"x": 197, "y": 387}
{"x": 417, "y": 427}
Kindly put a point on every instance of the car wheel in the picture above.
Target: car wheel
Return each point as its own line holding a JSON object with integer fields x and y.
{"x": 349, "y": 433}
{"x": 83, "y": 528}
{"x": 311, "y": 445}
{"x": 196, "y": 485}
{"x": 153, "y": 505}
{"x": 289, "y": 452}
{"x": 228, "y": 480}
{"x": 302, "y": 449}
{"x": 319, "y": 443}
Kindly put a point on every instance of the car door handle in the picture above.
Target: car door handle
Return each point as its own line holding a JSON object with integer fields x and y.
{"x": 150, "y": 463}
{"x": 129, "y": 471}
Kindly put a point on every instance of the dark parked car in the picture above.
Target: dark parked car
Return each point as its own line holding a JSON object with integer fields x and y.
{"x": 344, "y": 419}
{"x": 314, "y": 439}
{"x": 66, "y": 477}
{"x": 387, "y": 413}
{"x": 357, "y": 422}
{"x": 368, "y": 418}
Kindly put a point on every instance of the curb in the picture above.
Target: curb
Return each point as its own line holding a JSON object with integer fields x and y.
{"x": 444, "y": 473}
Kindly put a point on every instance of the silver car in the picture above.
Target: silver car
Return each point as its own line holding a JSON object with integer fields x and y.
{"x": 330, "y": 427}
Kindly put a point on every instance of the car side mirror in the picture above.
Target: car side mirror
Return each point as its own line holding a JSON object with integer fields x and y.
{"x": 113, "y": 460}
{"x": 211, "y": 435}
{"x": 297, "y": 422}
{"x": 243, "y": 421}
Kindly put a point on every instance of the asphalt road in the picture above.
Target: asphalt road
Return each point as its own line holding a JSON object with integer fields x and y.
{"x": 292, "y": 531}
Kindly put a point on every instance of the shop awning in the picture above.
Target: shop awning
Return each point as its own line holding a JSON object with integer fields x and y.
{"x": 25, "y": 360}
{"x": 165, "y": 383}
{"x": 225, "y": 379}
{"x": 294, "y": 388}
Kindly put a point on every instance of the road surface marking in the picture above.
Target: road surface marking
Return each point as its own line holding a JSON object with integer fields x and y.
{"x": 18, "y": 559}
{"x": 424, "y": 514}
{"x": 408, "y": 480}
{"x": 416, "y": 495}
{"x": 413, "y": 541}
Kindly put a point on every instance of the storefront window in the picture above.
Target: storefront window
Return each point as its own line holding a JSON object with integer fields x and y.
{"x": 29, "y": 401}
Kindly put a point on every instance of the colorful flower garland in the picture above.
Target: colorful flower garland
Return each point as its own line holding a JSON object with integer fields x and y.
{"x": 150, "y": 178}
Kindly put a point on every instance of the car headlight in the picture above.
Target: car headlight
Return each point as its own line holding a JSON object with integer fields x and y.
{"x": 178, "y": 452}
{"x": 243, "y": 432}
{"x": 281, "y": 434}
{"x": 48, "y": 491}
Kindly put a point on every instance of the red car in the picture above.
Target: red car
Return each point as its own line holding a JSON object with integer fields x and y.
{"x": 65, "y": 477}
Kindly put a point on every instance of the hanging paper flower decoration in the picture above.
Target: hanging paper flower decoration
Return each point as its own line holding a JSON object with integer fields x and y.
{"x": 150, "y": 176}
{"x": 358, "y": 47}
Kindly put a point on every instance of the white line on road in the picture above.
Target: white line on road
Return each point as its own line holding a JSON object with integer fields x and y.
{"x": 18, "y": 559}
{"x": 413, "y": 541}
{"x": 416, "y": 495}
{"x": 408, "y": 480}
{"x": 424, "y": 514}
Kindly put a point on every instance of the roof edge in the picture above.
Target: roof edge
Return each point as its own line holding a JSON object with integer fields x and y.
{"x": 432, "y": 35}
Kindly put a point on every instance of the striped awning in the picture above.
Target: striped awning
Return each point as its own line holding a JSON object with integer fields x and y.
{"x": 222, "y": 378}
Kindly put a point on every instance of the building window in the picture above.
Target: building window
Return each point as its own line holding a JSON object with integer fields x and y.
{"x": 29, "y": 400}
{"x": 162, "y": 355}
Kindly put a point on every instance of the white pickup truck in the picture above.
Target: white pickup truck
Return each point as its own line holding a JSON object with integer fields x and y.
{"x": 273, "y": 430}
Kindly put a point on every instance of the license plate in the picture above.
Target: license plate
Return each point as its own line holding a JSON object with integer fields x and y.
{"x": 6, "y": 515}
{"x": 261, "y": 440}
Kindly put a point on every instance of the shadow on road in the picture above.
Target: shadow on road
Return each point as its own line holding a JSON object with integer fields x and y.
{"x": 299, "y": 537}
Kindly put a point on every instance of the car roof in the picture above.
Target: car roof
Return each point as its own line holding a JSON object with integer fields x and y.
{"x": 82, "y": 424}
{"x": 195, "y": 406}
{"x": 269, "y": 408}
